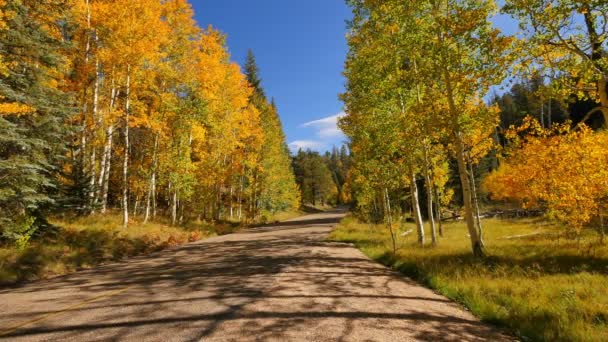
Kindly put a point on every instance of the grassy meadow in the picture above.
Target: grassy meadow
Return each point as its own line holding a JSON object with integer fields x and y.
{"x": 535, "y": 282}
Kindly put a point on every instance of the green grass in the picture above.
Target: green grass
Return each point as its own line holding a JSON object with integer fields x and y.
{"x": 543, "y": 287}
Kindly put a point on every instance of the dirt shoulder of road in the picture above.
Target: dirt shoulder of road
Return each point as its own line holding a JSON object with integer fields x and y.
{"x": 80, "y": 243}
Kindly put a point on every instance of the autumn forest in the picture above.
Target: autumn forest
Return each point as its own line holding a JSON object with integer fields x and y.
{"x": 474, "y": 158}
{"x": 133, "y": 106}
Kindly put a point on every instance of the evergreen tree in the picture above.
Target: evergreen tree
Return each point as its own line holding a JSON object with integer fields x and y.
{"x": 253, "y": 74}
{"x": 32, "y": 140}
{"x": 315, "y": 179}
{"x": 338, "y": 161}
{"x": 276, "y": 180}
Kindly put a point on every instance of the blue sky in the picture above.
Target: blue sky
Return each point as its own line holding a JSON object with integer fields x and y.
{"x": 300, "y": 47}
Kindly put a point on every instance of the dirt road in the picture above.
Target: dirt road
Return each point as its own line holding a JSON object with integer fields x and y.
{"x": 275, "y": 283}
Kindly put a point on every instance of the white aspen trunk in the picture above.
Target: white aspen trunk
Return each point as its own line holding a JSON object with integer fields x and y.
{"x": 231, "y": 201}
{"x": 108, "y": 166}
{"x": 154, "y": 199}
{"x": 389, "y": 219}
{"x": 125, "y": 166}
{"x": 102, "y": 171}
{"x": 93, "y": 175}
{"x": 174, "y": 208}
{"x": 85, "y": 108}
{"x": 476, "y": 244}
{"x": 240, "y": 199}
{"x": 97, "y": 117}
{"x": 148, "y": 199}
{"x": 476, "y": 203}
{"x": 429, "y": 195}
{"x": 105, "y": 180}
{"x": 152, "y": 185}
{"x": 136, "y": 206}
{"x": 416, "y": 210}
{"x": 438, "y": 212}
{"x": 107, "y": 151}
{"x": 181, "y": 213}
{"x": 92, "y": 178}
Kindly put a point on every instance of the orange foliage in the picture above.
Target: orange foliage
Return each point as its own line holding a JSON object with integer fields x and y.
{"x": 562, "y": 170}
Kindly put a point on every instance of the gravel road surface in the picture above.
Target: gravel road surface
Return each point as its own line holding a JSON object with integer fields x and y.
{"x": 281, "y": 282}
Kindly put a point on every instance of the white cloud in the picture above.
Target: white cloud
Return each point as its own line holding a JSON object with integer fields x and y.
{"x": 305, "y": 144}
{"x": 326, "y": 132}
{"x": 326, "y": 127}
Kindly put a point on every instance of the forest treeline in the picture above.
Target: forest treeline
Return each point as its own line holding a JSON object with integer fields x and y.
{"x": 128, "y": 104}
{"x": 322, "y": 178}
{"x": 420, "y": 110}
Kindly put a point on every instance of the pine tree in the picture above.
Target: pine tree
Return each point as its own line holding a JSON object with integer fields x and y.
{"x": 253, "y": 74}
{"x": 277, "y": 182}
{"x": 33, "y": 141}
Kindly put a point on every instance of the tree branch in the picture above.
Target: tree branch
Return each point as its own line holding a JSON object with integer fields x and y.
{"x": 591, "y": 112}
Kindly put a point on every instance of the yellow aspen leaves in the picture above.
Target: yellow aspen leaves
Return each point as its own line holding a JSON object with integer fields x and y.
{"x": 562, "y": 170}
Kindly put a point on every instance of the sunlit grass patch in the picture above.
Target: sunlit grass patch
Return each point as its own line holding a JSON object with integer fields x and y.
{"x": 539, "y": 284}
{"x": 81, "y": 242}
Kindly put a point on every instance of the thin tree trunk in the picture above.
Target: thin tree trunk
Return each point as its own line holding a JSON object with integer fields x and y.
{"x": 389, "y": 219}
{"x": 152, "y": 185}
{"x": 105, "y": 180}
{"x": 429, "y": 195}
{"x": 107, "y": 155}
{"x": 542, "y": 112}
{"x": 549, "y": 114}
{"x": 108, "y": 166}
{"x": 149, "y": 199}
{"x": 92, "y": 178}
{"x": 174, "y": 208}
{"x": 476, "y": 203}
{"x": 136, "y": 206}
{"x": 416, "y": 210}
{"x": 87, "y": 171}
{"x": 181, "y": 213}
{"x": 438, "y": 212}
{"x": 476, "y": 243}
{"x": 217, "y": 205}
{"x": 85, "y": 103}
{"x": 240, "y": 199}
{"x": 231, "y": 201}
{"x": 93, "y": 162}
{"x": 125, "y": 166}
{"x": 102, "y": 172}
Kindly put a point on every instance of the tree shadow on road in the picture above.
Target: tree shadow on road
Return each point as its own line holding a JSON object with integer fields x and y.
{"x": 252, "y": 286}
